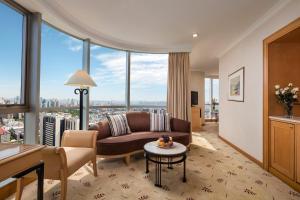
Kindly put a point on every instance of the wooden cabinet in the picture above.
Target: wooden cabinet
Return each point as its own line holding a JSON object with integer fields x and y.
{"x": 283, "y": 148}
{"x": 196, "y": 118}
{"x": 297, "y": 135}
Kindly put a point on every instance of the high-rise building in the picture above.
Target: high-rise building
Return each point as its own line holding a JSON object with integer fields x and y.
{"x": 52, "y": 127}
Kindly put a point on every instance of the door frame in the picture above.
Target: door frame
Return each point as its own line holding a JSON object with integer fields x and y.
{"x": 266, "y": 134}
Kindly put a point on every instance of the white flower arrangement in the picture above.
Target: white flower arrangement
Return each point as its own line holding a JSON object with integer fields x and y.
{"x": 287, "y": 96}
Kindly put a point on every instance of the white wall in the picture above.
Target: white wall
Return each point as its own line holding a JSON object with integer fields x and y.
{"x": 197, "y": 84}
{"x": 241, "y": 123}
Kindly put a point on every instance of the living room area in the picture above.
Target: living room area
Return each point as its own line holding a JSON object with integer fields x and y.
{"x": 149, "y": 99}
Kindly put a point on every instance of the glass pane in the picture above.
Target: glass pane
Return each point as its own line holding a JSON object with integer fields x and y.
{"x": 12, "y": 128}
{"x": 208, "y": 94}
{"x": 99, "y": 113}
{"x": 11, "y": 23}
{"x": 108, "y": 69}
{"x": 61, "y": 56}
{"x": 215, "y": 95}
{"x": 148, "y": 78}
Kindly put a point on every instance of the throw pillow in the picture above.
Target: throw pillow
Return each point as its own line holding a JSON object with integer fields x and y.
{"x": 118, "y": 125}
{"x": 167, "y": 122}
{"x": 160, "y": 122}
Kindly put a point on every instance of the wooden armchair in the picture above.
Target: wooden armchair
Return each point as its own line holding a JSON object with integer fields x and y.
{"x": 77, "y": 148}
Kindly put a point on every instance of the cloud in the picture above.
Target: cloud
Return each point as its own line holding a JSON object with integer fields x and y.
{"x": 74, "y": 44}
{"x": 95, "y": 47}
{"x": 110, "y": 68}
{"x": 147, "y": 70}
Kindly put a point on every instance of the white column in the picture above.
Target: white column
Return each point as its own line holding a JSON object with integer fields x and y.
{"x": 33, "y": 79}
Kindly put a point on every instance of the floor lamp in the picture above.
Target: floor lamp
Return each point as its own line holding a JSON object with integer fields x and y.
{"x": 82, "y": 80}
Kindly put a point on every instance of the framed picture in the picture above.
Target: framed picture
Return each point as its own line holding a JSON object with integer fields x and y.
{"x": 236, "y": 82}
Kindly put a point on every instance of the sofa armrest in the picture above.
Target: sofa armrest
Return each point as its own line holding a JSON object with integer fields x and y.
{"x": 79, "y": 138}
{"x": 103, "y": 129}
{"x": 180, "y": 125}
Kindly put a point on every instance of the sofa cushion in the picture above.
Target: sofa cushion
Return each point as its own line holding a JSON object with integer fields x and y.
{"x": 77, "y": 157}
{"x": 118, "y": 125}
{"x": 138, "y": 121}
{"x": 135, "y": 141}
{"x": 159, "y": 122}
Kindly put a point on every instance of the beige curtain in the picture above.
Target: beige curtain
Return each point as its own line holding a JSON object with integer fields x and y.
{"x": 178, "y": 100}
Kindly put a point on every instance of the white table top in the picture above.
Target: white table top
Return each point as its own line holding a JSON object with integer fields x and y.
{"x": 176, "y": 149}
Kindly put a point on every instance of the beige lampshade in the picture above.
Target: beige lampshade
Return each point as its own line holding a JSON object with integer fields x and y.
{"x": 82, "y": 79}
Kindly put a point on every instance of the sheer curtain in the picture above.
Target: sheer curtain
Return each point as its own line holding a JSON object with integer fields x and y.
{"x": 178, "y": 100}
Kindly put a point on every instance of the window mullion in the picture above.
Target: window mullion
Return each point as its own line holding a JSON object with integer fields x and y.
{"x": 31, "y": 125}
{"x": 86, "y": 67}
{"x": 128, "y": 54}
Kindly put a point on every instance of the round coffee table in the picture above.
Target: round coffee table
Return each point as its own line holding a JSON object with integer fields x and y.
{"x": 155, "y": 154}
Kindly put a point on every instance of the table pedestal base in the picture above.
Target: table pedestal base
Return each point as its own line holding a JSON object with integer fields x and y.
{"x": 158, "y": 165}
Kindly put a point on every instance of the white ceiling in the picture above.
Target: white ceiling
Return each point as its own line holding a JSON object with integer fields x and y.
{"x": 158, "y": 25}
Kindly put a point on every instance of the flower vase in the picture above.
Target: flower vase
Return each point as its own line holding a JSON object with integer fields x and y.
{"x": 289, "y": 111}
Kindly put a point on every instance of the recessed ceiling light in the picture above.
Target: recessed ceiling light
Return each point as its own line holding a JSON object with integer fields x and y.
{"x": 195, "y": 35}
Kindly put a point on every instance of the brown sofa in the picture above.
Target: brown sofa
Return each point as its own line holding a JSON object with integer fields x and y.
{"x": 139, "y": 123}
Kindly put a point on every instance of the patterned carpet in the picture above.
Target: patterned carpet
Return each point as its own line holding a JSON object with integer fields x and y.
{"x": 214, "y": 171}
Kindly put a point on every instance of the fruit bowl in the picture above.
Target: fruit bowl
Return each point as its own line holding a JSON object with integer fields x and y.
{"x": 165, "y": 142}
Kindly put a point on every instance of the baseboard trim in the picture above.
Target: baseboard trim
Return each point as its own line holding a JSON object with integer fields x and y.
{"x": 259, "y": 163}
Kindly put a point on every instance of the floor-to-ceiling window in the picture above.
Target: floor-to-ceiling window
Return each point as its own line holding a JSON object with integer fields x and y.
{"x": 148, "y": 81}
{"x": 108, "y": 69}
{"x": 126, "y": 80}
{"x": 12, "y": 67}
{"x": 61, "y": 56}
{"x": 211, "y": 98}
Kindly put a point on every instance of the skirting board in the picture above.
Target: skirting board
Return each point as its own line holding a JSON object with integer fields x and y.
{"x": 259, "y": 163}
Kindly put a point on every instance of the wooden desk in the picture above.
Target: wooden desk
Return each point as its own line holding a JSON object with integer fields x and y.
{"x": 17, "y": 160}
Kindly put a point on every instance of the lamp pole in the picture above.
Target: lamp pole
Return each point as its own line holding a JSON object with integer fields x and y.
{"x": 81, "y": 92}
{"x": 82, "y": 80}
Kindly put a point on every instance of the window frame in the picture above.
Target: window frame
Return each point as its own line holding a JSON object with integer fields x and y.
{"x": 24, "y": 95}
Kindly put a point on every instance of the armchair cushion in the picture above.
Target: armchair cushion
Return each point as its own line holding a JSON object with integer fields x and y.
{"x": 77, "y": 157}
{"x": 79, "y": 138}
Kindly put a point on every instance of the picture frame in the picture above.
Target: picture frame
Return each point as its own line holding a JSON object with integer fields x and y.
{"x": 236, "y": 85}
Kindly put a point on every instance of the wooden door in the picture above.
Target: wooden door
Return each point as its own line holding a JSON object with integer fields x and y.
{"x": 283, "y": 148}
{"x": 297, "y": 133}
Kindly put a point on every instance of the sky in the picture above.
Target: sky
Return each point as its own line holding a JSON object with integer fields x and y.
{"x": 10, "y": 51}
{"x": 61, "y": 55}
